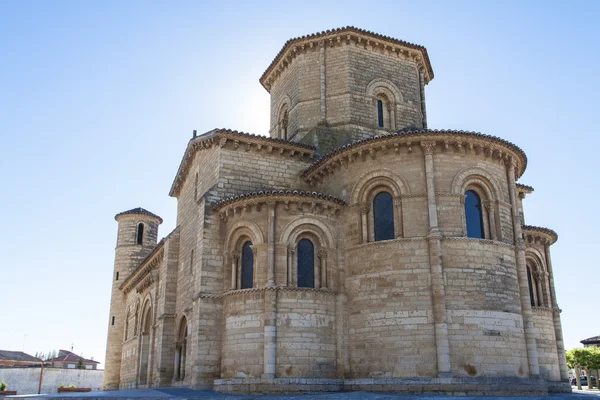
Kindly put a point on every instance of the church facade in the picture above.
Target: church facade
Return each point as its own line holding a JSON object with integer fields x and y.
{"x": 353, "y": 249}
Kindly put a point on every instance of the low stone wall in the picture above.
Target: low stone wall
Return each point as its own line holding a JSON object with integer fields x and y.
{"x": 27, "y": 380}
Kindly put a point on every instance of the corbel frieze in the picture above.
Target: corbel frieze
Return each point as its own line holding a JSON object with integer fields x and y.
{"x": 303, "y": 204}
{"x": 370, "y": 149}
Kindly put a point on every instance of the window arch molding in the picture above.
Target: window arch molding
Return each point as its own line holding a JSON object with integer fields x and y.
{"x": 487, "y": 189}
{"x": 181, "y": 347}
{"x": 126, "y": 330}
{"x": 240, "y": 233}
{"x": 147, "y": 311}
{"x": 284, "y": 105}
{"x": 364, "y": 192}
{"x": 322, "y": 240}
{"x": 387, "y": 92}
{"x": 478, "y": 176}
{"x": 539, "y": 279}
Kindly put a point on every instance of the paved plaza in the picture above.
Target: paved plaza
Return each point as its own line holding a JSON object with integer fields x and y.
{"x": 185, "y": 393}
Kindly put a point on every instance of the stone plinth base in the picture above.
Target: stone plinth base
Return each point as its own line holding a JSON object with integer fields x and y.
{"x": 277, "y": 385}
{"x": 455, "y": 386}
{"x": 559, "y": 387}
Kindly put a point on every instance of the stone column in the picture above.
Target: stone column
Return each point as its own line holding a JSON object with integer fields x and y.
{"x": 235, "y": 258}
{"x": 540, "y": 297}
{"x": 491, "y": 211}
{"x": 271, "y": 246}
{"x": 438, "y": 290}
{"x": 289, "y": 276}
{"x": 392, "y": 113}
{"x": 560, "y": 344}
{"x": 323, "y": 257}
{"x": 530, "y": 331}
{"x": 270, "y": 333}
{"x": 422, "y": 86}
{"x": 398, "y": 217}
{"x": 322, "y": 82}
{"x": 364, "y": 210}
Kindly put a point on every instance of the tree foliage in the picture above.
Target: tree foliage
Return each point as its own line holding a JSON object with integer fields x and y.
{"x": 586, "y": 358}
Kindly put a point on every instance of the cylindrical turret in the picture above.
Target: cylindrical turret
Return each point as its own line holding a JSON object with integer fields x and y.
{"x": 137, "y": 236}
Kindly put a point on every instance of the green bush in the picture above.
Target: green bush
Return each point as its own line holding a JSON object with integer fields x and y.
{"x": 3, "y": 386}
{"x": 62, "y": 386}
{"x": 72, "y": 386}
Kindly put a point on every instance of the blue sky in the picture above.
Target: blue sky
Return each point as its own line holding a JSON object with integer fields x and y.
{"x": 99, "y": 99}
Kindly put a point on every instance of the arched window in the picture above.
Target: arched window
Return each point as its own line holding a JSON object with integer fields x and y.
{"x": 474, "y": 215}
{"x": 247, "y": 265}
{"x": 127, "y": 325}
{"x": 531, "y": 285}
{"x": 383, "y": 112}
{"x": 283, "y": 122}
{"x": 383, "y": 216}
{"x": 181, "y": 347}
{"x": 306, "y": 264}
{"x": 140, "y": 233}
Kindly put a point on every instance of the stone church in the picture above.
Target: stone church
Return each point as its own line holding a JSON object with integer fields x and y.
{"x": 353, "y": 248}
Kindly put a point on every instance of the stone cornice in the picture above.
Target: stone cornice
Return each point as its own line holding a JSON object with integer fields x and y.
{"x": 236, "y": 140}
{"x": 345, "y": 36}
{"x": 230, "y": 293}
{"x": 148, "y": 264}
{"x": 533, "y": 234}
{"x": 446, "y": 140}
{"x": 235, "y": 205}
{"x": 523, "y": 190}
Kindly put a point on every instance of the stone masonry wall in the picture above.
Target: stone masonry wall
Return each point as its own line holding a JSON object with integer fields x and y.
{"x": 242, "y": 351}
{"x": 546, "y": 343}
{"x": 390, "y": 325}
{"x": 306, "y": 339}
{"x": 484, "y": 315}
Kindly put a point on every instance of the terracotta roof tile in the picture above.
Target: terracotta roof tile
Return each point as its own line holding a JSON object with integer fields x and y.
{"x": 139, "y": 211}
{"x": 343, "y": 30}
{"x": 415, "y": 132}
{"x": 275, "y": 192}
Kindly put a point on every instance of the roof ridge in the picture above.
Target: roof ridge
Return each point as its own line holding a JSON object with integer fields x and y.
{"x": 341, "y": 30}
{"x": 408, "y": 133}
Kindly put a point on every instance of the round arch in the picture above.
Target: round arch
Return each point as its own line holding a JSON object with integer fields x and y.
{"x": 384, "y": 86}
{"x": 380, "y": 177}
{"x": 241, "y": 229}
{"x": 475, "y": 176}
{"x": 295, "y": 228}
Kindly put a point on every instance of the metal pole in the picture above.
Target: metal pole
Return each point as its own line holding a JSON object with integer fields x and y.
{"x": 41, "y": 377}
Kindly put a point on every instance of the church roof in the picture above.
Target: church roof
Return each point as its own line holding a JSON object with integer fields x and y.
{"x": 553, "y": 236}
{"x": 139, "y": 211}
{"x": 283, "y": 56}
{"x": 270, "y": 193}
{"x": 420, "y": 134}
{"x": 220, "y": 137}
{"x": 524, "y": 188}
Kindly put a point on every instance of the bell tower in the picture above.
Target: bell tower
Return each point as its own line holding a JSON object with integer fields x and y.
{"x": 136, "y": 237}
{"x": 334, "y": 87}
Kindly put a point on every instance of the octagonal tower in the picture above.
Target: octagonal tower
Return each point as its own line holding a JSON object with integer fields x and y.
{"x": 331, "y": 88}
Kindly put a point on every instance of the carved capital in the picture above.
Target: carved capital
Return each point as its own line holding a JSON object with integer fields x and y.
{"x": 235, "y": 255}
{"x": 322, "y": 253}
{"x": 489, "y": 205}
{"x": 428, "y": 147}
{"x": 291, "y": 249}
